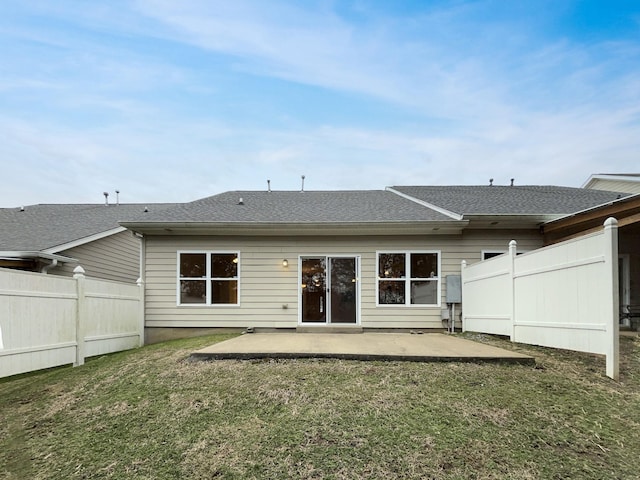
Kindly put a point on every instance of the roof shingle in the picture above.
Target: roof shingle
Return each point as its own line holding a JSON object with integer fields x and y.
{"x": 41, "y": 227}
{"x": 365, "y": 206}
{"x": 506, "y": 200}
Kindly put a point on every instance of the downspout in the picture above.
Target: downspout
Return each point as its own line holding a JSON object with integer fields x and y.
{"x": 46, "y": 268}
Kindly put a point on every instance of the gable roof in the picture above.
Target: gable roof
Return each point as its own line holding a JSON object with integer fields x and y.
{"x": 51, "y": 228}
{"x": 275, "y": 210}
{"x": 536, "y": 200}
{"x": 616, "y": 177}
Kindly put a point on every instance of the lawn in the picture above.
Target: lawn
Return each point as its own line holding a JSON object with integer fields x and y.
{"x": 152, "y": 414}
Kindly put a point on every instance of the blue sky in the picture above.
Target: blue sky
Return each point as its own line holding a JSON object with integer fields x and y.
{"x": 173, "y": 101}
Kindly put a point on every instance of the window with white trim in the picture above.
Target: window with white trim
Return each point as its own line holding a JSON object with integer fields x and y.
{"x": 408, "y": 278}
{"x": 208, "y": 278}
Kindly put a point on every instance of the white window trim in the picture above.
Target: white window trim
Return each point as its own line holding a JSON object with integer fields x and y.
{"x": 207, "y": 279}
{"x": 409, "y": 279}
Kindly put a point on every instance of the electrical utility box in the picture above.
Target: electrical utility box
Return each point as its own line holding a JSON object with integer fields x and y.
{"x": 454, "y": 289}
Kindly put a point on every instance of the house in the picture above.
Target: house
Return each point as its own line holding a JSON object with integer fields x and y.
{"x": 357, "y": 260}
{"x": 55, "y": 239}
{"x": 618, "y": 182}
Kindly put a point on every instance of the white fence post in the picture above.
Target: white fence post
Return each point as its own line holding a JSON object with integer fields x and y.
{"x": 512, "y": 288}
{"x": 81, "y": 314}
{"x": 140, "y": 284}
{"x": 613, "y": 307}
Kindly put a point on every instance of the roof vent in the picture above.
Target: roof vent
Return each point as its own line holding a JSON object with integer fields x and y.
{"x": 241, "y": 201}
{"x": 512, "y": 180}
{"x": 22, "y": 209}
{"x": 117, "y": 197}
{"x": 106, "y": 198}
{"x": 146, "y": 209}
{"x": 302, "y": 189}
{"x": 269, "y": 186}
{"x": 491, "y": 182}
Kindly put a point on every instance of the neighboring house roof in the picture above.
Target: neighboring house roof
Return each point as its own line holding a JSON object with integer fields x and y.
{"x": 274, "y": 210}
{"x": 507, "y": 200}
{"x": 623, "y": 182}
{"x": 50, "y": 229}
{"x": 626, "y": 210}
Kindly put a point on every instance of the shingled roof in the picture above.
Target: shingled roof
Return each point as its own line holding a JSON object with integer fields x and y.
{"x": 310, "y": 207}
{"x": 44, "y": 227}
{"x": 506, "y": 200}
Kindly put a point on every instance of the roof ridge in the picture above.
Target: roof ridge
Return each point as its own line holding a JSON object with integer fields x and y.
{"x": 444, "y": 211}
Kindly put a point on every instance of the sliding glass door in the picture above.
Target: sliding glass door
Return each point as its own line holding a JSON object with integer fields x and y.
{"x": 329, "y": 290}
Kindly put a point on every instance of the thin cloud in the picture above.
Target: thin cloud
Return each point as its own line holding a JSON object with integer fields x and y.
{"x": 170, "y": 101}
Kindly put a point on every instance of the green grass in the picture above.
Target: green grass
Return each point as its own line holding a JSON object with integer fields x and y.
{"x": 152, "y": 414}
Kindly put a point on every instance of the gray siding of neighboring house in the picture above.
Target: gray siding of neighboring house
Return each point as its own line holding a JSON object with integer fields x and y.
{"x": 265, "y": 285}
{"x": 116, "y": 257}
{"x": 615, "y": 186}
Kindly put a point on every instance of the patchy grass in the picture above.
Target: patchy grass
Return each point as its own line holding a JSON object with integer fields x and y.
{"x": 151, "y": 414}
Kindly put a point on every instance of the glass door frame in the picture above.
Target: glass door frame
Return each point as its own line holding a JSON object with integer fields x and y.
{"x": 327, "y": 258}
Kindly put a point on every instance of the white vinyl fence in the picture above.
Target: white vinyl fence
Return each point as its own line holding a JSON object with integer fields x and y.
{"x": 562, "y": 296}
{"x": 47, "y": 321}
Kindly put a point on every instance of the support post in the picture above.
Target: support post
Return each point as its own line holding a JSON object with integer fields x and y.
{"x": 463, "y": 267}
{"x": 611, "y": 297}
{"x": 140, "y": 283}
{"x": 81, "y": 315}
{"x": 513, "y": 247}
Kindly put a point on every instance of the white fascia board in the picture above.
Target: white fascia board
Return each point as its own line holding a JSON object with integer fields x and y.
{"x": 612, "y": 177}
{"x": 84, "y": 240}
{"x": 300, "y": 229}
{"x": 14, "y": 254}
{"x": 509, "y": 221}
{"x": 448, "y": 213}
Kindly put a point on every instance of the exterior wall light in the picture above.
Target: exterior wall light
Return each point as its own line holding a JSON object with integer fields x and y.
{"x": 285, "y": 263}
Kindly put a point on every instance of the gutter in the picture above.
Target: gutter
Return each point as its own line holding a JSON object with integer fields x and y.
{"x": 278, "y": 229}
{"x": 46, "y": 268}
{"x": 16, "y": 254}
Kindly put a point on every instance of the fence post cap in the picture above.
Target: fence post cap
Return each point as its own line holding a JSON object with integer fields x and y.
{"x": 78, "y": 272}
{"x": 611, "y": 222}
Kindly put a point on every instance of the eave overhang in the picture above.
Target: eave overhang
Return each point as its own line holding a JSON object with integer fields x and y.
{"x": 299, "y": 229}
{"x": 625, "y": 210}
{"x": 17, "y": 255}
{"x": 508, "y": 222}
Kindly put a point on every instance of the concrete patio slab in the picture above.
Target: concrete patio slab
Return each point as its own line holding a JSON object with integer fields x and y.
{"x": 428, "y": 347}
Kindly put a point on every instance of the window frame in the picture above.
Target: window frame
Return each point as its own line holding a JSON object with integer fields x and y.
{"x": 208, "y": 279}
{"x": 408, "y": 279}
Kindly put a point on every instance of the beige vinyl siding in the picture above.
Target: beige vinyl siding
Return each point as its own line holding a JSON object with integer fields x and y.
{"x": 615, "y": 186}
{"x": 266, "y": 286}
{"x": 116, "y": 257}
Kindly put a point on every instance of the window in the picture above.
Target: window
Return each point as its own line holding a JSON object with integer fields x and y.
{"x": 409, "y": 278}
{"x": 487, "y": 254}
{"x": 208, "y": 278}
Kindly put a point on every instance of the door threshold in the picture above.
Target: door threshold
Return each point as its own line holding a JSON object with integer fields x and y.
{"x": 329, "y": 329}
